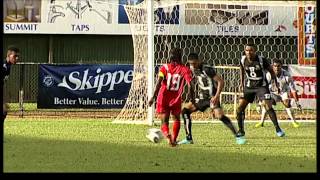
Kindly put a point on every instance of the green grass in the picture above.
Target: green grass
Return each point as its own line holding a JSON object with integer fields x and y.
{"x": 79, "y": 145}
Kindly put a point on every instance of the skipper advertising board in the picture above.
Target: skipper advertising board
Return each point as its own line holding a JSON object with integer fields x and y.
{"x": 84, "y": 86}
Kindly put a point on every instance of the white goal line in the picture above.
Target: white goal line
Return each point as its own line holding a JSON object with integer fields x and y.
{"x": 245, "y": 121}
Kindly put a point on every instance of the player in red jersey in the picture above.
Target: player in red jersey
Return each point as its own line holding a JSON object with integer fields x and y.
{"x": 168, "y": 90}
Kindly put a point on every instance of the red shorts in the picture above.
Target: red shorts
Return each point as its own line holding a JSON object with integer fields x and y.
{"x": 167, "y": 104}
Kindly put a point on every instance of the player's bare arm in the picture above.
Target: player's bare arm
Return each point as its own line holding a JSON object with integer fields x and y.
{"x": 220, "y": 82}
{"x": 241, "y": 78}
{"x": 295, "y": 96}
{"x": 273, "y": 77}
{"x": 158, "y": 85}
{"x": 191, "y": 94}
{"x": 294, "y": 92}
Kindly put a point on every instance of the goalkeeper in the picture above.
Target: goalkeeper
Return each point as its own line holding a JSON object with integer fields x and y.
{"x": 286, "y": 86}
{"x": 208, "y": 95}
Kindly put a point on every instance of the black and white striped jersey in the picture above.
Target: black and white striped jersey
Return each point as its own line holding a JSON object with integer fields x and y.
{"x": 255, "y": 71}
{"x": 205, "y": 85}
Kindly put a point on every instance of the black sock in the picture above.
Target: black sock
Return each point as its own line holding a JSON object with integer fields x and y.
{"x": 187, "y": 122}
{"x": 274, "y": 119}
{"x": 226, "y": 121}
{"x": 240, "y": 119}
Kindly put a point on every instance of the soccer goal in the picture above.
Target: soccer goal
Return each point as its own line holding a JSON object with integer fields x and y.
{"x": 218, "y": 31}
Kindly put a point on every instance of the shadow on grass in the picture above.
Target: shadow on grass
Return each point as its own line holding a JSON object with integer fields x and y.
{"x": 28, "y": 154}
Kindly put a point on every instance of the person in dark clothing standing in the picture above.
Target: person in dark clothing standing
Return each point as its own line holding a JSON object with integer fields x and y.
{"x": 253, "y": 83}
{"x": 12, "y": 57}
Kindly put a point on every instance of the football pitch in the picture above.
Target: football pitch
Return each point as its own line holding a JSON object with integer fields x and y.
{"x": 95, "y": 145}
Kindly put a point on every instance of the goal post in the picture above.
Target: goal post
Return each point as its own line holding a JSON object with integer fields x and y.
{"x": 150, "y": 22}
{"x": 218, "y": 31}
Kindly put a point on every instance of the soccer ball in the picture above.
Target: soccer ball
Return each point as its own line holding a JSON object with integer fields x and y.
{"x": 154, "y": 135}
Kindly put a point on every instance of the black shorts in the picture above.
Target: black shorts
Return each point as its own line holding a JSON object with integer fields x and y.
{"x": 203, "y": 104}
{"x": 262, "y": 93}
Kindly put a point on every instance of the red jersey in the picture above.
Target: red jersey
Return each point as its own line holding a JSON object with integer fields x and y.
{"x": 172, "y": 86}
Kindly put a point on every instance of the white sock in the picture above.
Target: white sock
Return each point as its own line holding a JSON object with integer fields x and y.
{"x": 289, "y": 112}
{"x": 263, "y": 114}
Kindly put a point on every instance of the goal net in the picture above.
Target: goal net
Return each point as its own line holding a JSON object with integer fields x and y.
{"x": 218, "y": 31}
